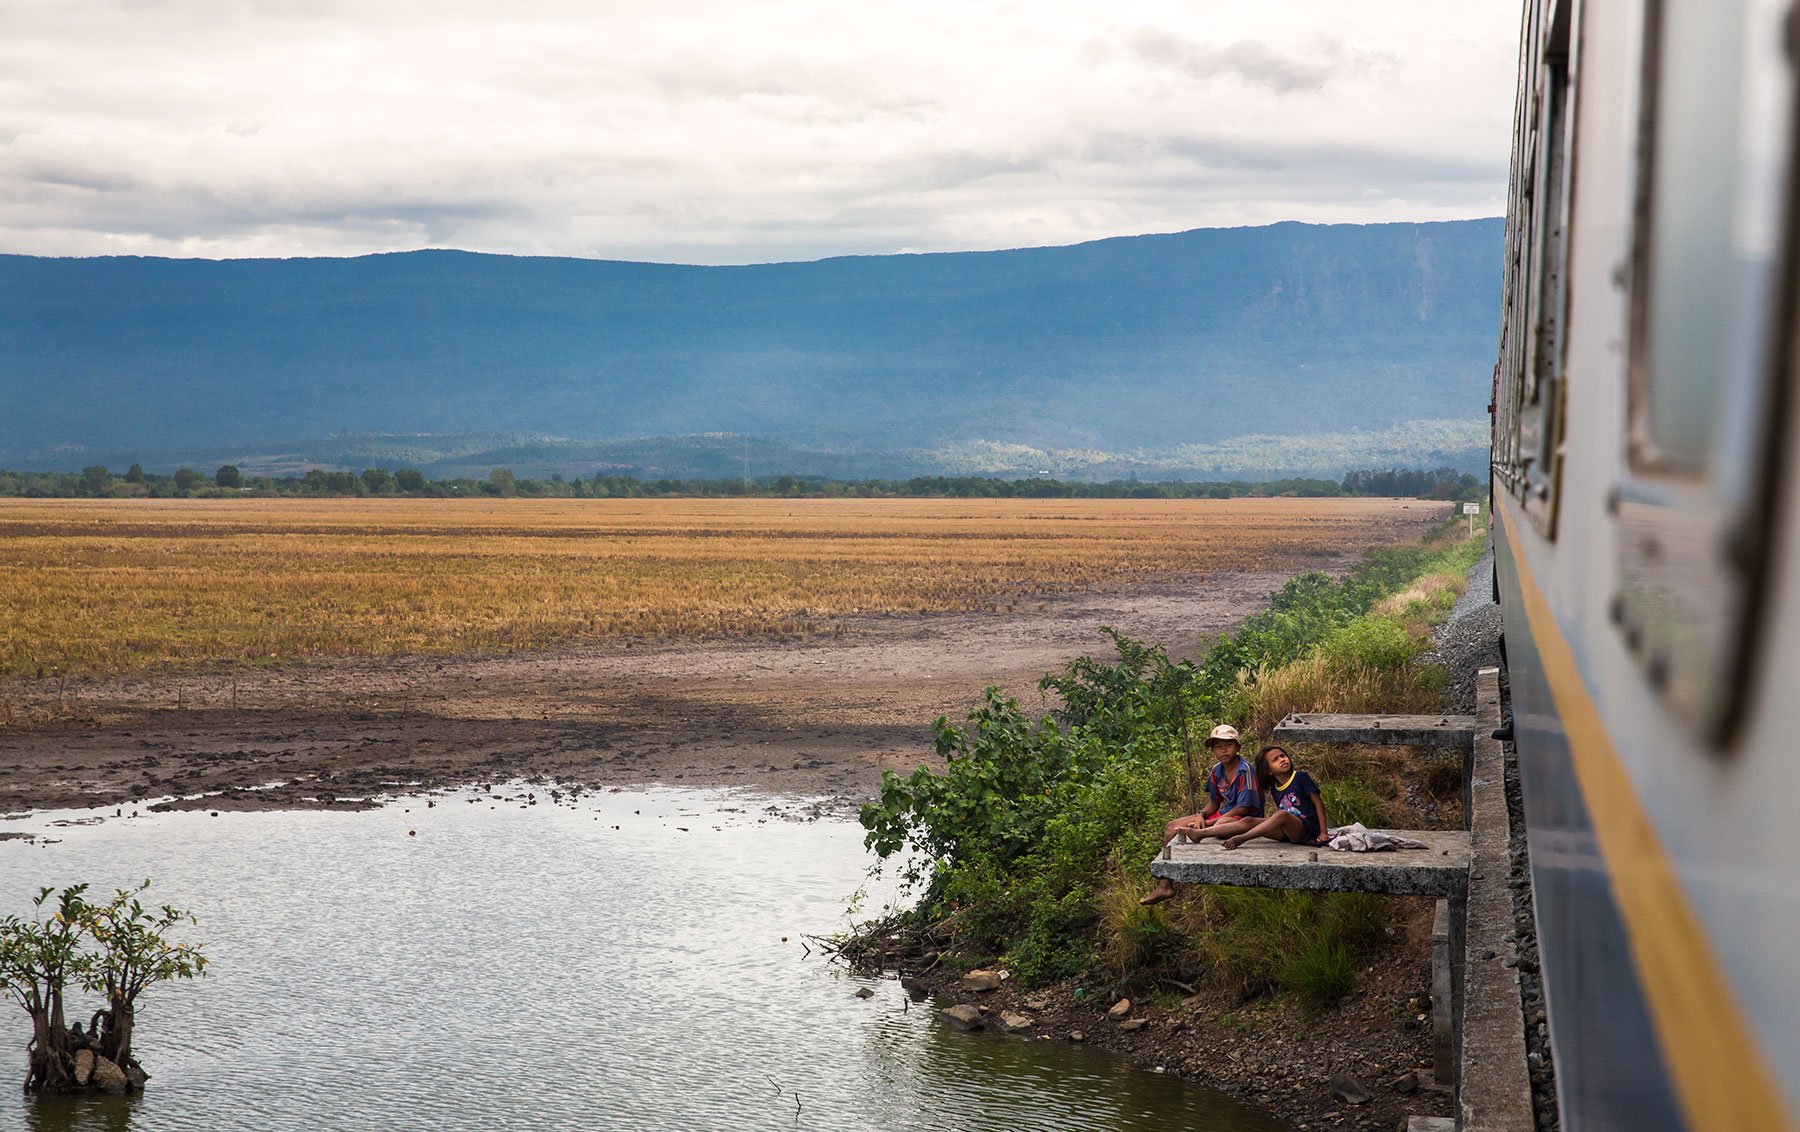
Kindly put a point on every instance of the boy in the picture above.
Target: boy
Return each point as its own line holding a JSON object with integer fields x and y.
{"x": 1233, "y": 802}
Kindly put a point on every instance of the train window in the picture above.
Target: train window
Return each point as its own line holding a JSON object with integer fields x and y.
{"x": 1528, "y": 400}
{"x": 1685, "y": 310}
{"x": 1705, "y": 346}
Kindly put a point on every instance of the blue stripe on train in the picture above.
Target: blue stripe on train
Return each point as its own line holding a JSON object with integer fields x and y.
{"x": 1610, "y": 1071}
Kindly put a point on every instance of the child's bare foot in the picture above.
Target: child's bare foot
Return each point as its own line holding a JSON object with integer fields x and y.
{"x": 1164, "y": 889}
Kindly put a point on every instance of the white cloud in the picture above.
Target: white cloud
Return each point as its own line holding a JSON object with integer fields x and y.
{"x": 716, "y": 131}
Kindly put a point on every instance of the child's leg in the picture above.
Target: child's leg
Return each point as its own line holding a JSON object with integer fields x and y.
{"x": 1225, "y": 828}
{"x": 1186, "y": 826}
{"x": 1193, "y": 827}
{"x": 1164, "y": 889}
{"x": 1278, "y": 826}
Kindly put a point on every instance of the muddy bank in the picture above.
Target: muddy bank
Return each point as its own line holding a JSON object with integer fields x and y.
{"x": 1276, "y": 1054}
{"x": 820, "y": 716}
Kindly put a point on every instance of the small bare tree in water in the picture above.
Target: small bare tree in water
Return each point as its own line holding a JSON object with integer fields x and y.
{"x": 116, "y": 949}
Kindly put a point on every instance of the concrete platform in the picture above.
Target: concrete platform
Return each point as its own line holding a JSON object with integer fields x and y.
{"x": 1382, "y": 730}
{"x": 1493, "y": 1090}
{"x": 1440, "y": 870}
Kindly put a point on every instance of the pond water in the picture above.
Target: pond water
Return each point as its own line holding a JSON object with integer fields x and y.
{"x": 632, "y": 960}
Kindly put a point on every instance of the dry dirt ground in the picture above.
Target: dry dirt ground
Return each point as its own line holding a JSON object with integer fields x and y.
{"x": 815, "y": 717}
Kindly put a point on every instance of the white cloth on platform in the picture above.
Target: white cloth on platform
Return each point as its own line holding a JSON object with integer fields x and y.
{"x": 1357, "y": 838}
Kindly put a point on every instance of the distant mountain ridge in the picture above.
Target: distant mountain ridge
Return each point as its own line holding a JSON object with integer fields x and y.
{"x": 1137, "y": 343}
{"x": 1413, "y": 444}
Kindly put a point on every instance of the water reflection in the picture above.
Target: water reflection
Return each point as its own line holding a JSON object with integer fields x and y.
{"x": 479, "y": 964}
{"x": 79, "y": 1114}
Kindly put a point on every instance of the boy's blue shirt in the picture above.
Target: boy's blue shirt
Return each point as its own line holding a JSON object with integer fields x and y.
{"x": 1239, "y": 792}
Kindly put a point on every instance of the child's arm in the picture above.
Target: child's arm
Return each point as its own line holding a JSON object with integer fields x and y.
{"x": 1324, "y": 822}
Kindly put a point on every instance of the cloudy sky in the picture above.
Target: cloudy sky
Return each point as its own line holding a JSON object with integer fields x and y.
{"x": 732, "y": 131}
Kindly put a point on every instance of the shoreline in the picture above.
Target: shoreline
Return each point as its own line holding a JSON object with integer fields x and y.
{"x": 1259, "y": 1051}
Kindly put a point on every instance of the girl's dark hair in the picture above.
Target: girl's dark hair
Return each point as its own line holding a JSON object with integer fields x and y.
{"x": 1265, "y": 778}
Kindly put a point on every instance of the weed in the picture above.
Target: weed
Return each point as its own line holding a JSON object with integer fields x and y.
{"x": 1353, "y": 800}
{"x": 1441, "y": 777}
{"x": 1317, "y": 970}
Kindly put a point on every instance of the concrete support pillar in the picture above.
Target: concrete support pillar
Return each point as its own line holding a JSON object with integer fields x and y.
{"x": 1443, "y": 998}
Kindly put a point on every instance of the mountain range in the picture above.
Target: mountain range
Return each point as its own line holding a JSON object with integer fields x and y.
{"x": 1136, "y": 348}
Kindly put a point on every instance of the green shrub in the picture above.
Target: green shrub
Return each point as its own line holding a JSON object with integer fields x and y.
{"x": 1370, "y": 643}
{"x": 1054, "y": 945}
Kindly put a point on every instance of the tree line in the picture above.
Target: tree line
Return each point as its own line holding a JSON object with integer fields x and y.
{"x": 228, "y": 480}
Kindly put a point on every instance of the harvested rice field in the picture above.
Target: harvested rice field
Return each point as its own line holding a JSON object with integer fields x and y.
{"x": 98, "y": 587}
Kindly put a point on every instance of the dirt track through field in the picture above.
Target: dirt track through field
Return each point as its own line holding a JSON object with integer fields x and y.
{"x": 820, "y": 716}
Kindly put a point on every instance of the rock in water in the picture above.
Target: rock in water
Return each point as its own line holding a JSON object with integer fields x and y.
{"x": 981, "y": 980}
{"x": 84, "y": 1066}
{"x": 1012, "y": 1021}
{"x": 135, "y": 1075}
{"x": 1119, "y": 1009}
{"x": 864, "y": 992}
{"x": 1349, "y": 1090}
{"x": 108, "y": 1076}
{"x": 962, "y": 1016}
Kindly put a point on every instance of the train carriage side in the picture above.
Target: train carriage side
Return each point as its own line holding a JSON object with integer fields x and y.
{"x": 1648, "y": 561}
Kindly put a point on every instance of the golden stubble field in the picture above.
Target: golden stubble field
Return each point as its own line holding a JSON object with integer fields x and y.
{"x": 94, "y": 587}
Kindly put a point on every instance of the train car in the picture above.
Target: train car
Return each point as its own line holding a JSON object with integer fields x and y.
{"x": 1645, "y": 486}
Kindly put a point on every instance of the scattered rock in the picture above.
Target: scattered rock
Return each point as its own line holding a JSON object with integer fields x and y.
{"x": 1131, "y": 1025}
{"x": 1013, "y": 1022}
{"x": 1077, "y": 1036}
{"x": 84, "y": 1066}
{"x": 1406, "y": 1084}
{"x": 981, "y": 980}
{"x": 962, "y": 1016}
{"x": 108, "y": 1076}
{"x": 864, "y": 992}
{"x": 1349, "y": 1090}
{"x": 1119, "y": 1009}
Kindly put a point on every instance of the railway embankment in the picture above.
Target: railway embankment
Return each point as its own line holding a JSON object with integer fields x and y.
{"x": 1038, "y": 834}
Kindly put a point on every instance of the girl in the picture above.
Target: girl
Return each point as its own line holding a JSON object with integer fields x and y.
{"x": 1299, "y": 814}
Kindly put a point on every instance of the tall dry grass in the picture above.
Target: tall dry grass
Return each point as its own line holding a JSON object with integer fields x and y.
{"x": 96, "y": 586}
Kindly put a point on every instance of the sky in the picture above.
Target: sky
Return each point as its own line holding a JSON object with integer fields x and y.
{"x": 726, "y": 131}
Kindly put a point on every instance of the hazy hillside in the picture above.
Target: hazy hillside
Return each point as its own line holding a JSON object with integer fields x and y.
{"x": 1144, "y": 342}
